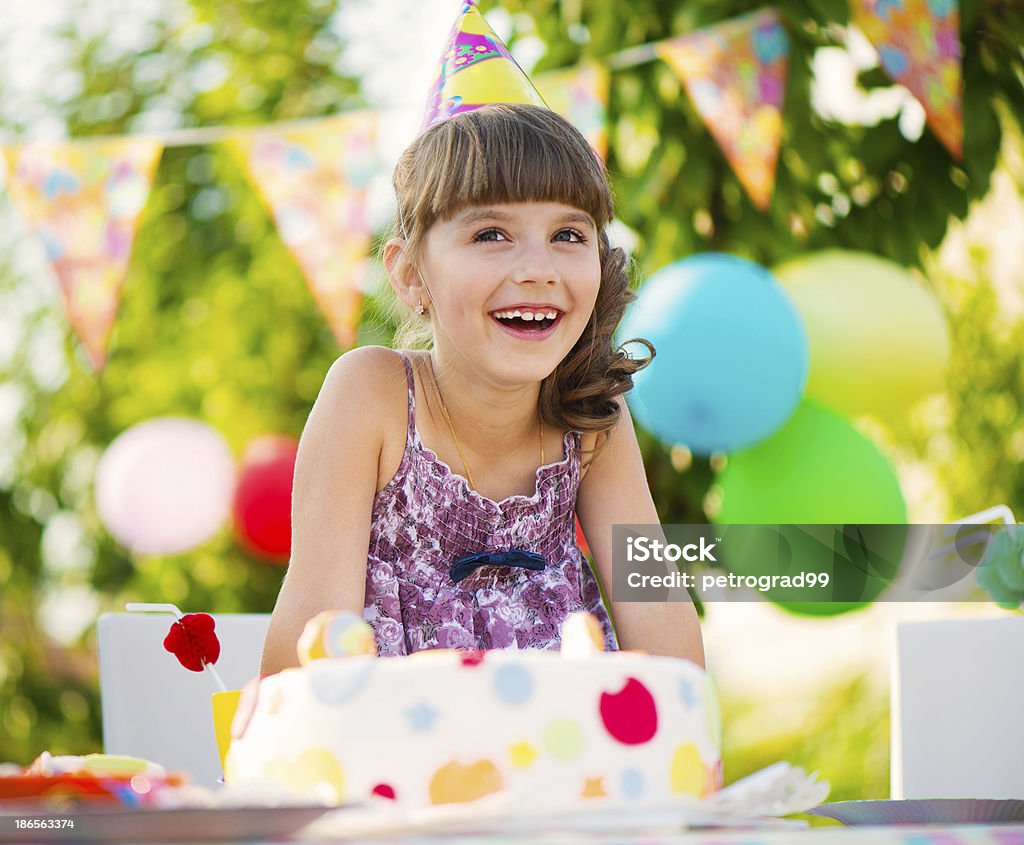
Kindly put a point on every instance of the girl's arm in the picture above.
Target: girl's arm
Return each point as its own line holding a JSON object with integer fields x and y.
{"x": 614, "y": 491}
{"x": 332, "y": 497}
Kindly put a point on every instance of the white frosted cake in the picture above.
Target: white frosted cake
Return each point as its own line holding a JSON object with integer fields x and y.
{"x": 442, "y": 727}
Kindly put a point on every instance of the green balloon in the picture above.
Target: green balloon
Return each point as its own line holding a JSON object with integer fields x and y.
{"x": 818, "y": 469}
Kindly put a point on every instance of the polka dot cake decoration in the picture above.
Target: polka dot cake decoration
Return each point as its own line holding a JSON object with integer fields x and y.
{"x": 450, "y": 727}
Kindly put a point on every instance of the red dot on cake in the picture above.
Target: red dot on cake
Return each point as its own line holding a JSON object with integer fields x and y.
{"x": 384, "y": 791}
{"x": 472, "y": 657}
{"x": 630, "y": 715}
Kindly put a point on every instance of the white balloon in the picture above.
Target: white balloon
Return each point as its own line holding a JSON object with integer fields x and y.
{"x": 165, "y": 485}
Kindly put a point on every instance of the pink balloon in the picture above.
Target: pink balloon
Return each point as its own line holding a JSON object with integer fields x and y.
{"x": 165, "y": 485}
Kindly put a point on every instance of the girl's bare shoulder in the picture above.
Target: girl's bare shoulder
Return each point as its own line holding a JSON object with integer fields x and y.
{"x": 363, "y": 375}
{"x": 374, "y": 379}
{"x": 370, "y": 365}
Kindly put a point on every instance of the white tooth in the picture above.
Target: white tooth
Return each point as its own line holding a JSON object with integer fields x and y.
{"x": 514, "y": 314}
{"x": 528, "y": 316}
{"x": 552, "y": 314}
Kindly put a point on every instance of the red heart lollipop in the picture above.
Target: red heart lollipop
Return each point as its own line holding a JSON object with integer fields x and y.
{"x": 193, "y": 641}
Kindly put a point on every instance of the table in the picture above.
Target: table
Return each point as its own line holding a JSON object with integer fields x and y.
{"x": 925, "y": 835}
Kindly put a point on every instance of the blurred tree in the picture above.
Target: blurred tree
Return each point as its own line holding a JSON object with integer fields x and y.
{"x": 838, "y": 186}
{"x": 216, "y": 321}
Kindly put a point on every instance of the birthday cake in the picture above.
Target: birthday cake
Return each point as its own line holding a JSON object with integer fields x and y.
{"x": 442, "y": 727}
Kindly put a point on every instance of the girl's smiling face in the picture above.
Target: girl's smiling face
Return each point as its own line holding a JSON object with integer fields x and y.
{"x": 487, "y": 263}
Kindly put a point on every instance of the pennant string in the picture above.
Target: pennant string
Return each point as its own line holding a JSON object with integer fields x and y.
{"x": 632, "y": 56}
{"x": 199, "y": 136}
{"x": 193, "y": 137}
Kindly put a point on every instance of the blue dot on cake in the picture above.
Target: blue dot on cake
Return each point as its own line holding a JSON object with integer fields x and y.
{"x": 632, "y": 783}
{"x": 513, "y": 684}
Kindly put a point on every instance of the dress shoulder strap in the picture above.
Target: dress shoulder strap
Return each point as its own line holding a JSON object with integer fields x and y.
{"x": 410, "y": 382}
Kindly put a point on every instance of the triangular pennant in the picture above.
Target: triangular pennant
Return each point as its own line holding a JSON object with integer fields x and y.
{"x": 83, "y": 199}
{"x": 735, "y": 73}
{"x": 580, "y": 95}
{"x": 476, "y": 68}
{"x": 919, "y": 45}
{"x": 314, "y": 180}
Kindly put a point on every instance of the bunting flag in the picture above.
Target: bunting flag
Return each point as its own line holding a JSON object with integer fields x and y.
{"x": 314, "y": 180}
{"x": 735, "y": 73}
{"x": 580, "y": 95}
{"x": 919, "y": 45}
{"x": 82, "y": 200}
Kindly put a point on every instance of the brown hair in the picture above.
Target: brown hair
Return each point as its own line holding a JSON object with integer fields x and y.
{"x": 523, "y": 153}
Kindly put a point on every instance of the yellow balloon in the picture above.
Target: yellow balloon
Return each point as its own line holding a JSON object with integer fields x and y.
{"x": 878, "y": 338}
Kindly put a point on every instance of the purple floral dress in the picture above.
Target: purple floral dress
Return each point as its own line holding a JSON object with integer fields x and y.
{"x": 427, "y": 517}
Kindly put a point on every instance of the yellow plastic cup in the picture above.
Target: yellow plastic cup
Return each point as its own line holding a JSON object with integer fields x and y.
{"x": 224, "y": 706}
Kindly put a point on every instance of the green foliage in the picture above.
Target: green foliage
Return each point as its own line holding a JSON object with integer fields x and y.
{"x": 857, "y": 187}
{"x": 840, "y": 731}
{"x": 217, "y": 323}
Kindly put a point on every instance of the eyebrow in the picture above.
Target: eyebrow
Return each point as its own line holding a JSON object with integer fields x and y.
{"x": 476, "y": 215}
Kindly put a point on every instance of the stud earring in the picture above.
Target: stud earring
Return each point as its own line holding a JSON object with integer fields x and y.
{"x": 420, "y": 309}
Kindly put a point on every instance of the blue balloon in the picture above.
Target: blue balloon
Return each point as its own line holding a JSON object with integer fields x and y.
{"x": 732, "y": 357}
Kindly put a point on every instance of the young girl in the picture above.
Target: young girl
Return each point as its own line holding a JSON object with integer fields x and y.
{"x": 435, "y": 490}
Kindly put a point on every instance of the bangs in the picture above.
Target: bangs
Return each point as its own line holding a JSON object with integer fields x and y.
{"x": 502, "y": 154}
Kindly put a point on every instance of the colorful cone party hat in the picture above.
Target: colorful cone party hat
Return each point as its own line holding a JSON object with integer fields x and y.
{"x": 476, "y": 69}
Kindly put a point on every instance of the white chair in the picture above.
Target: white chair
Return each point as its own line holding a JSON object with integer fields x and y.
{"x": 155, "y": 708}
{"x": 958, "y": 700}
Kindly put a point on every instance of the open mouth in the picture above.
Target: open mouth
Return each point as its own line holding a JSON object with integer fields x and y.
{"x": 527, "y": 321}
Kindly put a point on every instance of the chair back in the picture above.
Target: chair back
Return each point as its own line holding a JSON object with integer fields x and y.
{"x": 958, "y": 709}
{"x": 156, "y": 709}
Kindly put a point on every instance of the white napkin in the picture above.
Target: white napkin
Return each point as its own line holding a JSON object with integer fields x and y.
{"x": 778, "y": 790}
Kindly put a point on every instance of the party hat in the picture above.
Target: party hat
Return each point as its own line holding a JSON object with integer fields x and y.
{"x": 476, "y": 69}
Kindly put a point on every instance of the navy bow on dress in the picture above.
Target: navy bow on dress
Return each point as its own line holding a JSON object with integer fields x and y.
{"x": 468, "y": 564}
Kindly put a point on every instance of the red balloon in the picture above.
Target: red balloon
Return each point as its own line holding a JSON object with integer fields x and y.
{"x": 263, "y": 498}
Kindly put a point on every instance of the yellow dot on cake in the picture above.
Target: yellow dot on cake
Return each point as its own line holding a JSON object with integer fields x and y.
{"x": 593, "y": 788}
{"x": 687, "y": 770}
{"x": 455, "y": 783}
{"x": 522, "y": 755}
{"x": 316, "y": 771}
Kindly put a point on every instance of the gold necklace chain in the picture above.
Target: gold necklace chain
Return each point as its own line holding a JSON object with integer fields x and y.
{"x": 451, "y": 428}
